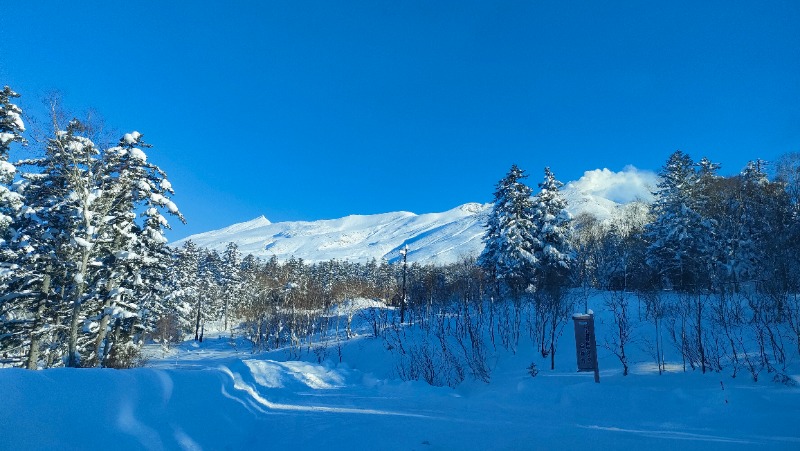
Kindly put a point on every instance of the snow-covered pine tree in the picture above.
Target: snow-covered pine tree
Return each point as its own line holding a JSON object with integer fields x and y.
{"x": 707, "y": 201}
{"x": 682, "y": 246}
{"x": 11, "y": 129}
{"x": 232, "y": 282}
{"x": 77, "y": 235}
{"x": 210, "y": 277}
{"x": 176, "y": 318}
{"x": 185, "y": 284}
{"x": 787, "y": 173}
{"x": 680, "y": 238}
{"x": 554, "y": 257}
{"x": 249, "y": 274}
{"x": 54, "y": 234}
{"x": 136, "y": 258}
{"x": 552, "y": 242}
{"x": 18, "y": 309}
{"x": 508, "y": 255}
{"x": 767, "y": 222}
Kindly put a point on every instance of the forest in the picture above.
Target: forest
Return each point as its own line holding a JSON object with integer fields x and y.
{"x": 710, "y": 270}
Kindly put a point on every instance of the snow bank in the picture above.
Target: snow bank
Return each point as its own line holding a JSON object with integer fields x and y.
{"x": 217, "y": 395}
{"x": 252, "y": 404}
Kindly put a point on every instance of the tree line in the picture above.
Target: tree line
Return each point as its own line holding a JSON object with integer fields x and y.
{"x": 708, "y": 273}
{"x": 83, "y": 249}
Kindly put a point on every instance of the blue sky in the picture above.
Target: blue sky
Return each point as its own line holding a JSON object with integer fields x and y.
{"x": 303, "y": 110}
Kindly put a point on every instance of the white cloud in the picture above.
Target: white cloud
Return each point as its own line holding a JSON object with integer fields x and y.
{"x": 622, "y": 187}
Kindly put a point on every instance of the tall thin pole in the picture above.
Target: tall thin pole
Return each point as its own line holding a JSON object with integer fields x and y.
{"x": 403, "y": 299}
{"x": 594, "y": 348}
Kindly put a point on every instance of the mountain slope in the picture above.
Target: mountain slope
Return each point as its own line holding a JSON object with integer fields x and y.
{"x": 431, "y": 238}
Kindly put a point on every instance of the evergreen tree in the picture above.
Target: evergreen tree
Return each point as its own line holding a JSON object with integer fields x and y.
{"x": 508, "y": 255}
{"x": 60, "y": 226}
{"x": 768, "y": 221}
{"x": 552, "y": 223}
{"x": 136, "y": 255}
{"x": 554, "y": 256}
{"x": 82, "y": 264}
{"x": 683, "y": 246}
{"x": 19, "y": 303}
{"x": 185, "y": 284}
{"x": 11, "y": 129}
{"x": 788, "y": 175}
{"x": 182, "y": 293}
{"x": 232, "y": 281}
{"x": 680, "y": 238}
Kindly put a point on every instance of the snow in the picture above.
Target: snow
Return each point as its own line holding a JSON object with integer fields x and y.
{"x": 75, "y": 146}
{"x": 349, "y": 306}
{"x": 172, "y": 207}
{"x": 131, "y": 138}
{"x": 272, "y": 374}
{"x": 126, "y": 255}
{"x": 439, "y": 238}
{"x": 143, "y": 185}
{"x": 16, "y": 118}
{"x": 6, "y": 168}
{"x": 430, "y": 237}
{"x": 6, "y": 138}
{"x": 218, "y": 395}
{"x": 119, "y": 312}
{"x": 138, "y": 154}
{"x": 82, "y": 242}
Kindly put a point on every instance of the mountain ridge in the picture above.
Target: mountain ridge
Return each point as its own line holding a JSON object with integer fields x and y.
{"x": 439, "y": 238}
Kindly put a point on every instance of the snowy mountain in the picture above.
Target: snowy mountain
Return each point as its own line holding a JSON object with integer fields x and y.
{"x": 431, "y": 238}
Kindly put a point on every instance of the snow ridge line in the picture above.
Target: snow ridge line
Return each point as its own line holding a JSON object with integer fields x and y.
{"x": 241, "y": 385}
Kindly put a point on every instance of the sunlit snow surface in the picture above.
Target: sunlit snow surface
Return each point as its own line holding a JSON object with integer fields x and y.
{"x": 217, "y": 395}
{"x": 432, "y": 238}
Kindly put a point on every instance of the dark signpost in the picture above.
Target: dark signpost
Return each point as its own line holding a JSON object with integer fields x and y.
{"x": 585, "y": 344}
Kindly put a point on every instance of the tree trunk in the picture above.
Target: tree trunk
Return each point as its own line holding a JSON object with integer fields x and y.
{"x": 403, "y": 298}
{"x": 111, "y": 342}
{"x": 659, "y": 344}
{"x": 72, "y": 361}
{"x": 33, "y": 354}
{"x": 101, "y": 335}
{"x": 197, "y": 321}
{"x": 76, "y": 309}
{"x": 701, "y": 348}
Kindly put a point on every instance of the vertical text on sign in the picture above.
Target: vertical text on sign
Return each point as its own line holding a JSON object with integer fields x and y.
{"x": 585, "y": 344}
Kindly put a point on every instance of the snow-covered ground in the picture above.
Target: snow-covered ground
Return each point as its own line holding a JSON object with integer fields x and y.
{"x": 216, "y": 395}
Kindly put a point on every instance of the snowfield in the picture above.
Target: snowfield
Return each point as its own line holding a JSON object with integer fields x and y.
{"x": 217, "y": 395}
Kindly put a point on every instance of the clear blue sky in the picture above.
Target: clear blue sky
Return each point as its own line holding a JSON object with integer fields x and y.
{"x": 303, "y": 110}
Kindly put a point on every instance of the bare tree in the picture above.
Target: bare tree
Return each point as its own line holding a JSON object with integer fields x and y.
{"x": 618, "y": 303}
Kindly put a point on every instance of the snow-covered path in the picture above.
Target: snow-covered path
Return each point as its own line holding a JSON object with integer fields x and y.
{"x": 213, "y": 397}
